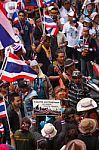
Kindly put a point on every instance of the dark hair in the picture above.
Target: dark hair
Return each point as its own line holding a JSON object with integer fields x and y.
{"x": 22, "y": 11}
{"x": 55, "y": 8}
{"x": 42, "y": 144}
{"x": 72, "y": 133}
{"x": 58, "y": 51}
{"x": 69, "y": 111}
{"x": 26, "y": 120}
{"x": 12, "y": 96}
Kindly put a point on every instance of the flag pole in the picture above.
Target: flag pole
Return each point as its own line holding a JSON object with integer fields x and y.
{"x": 4, "y": 65}
{"x": 6, "y": 114}
{"x": 44, "y": 20}
{"x": 40, "y": 13}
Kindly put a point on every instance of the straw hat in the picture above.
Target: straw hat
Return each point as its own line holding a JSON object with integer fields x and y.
{"x": 10, "y": 7}
{"x": 86, "y": 104}
{"x": 87, "y": 125}
{"x": 75, "y": 145}
{"x": 48, "y": 131}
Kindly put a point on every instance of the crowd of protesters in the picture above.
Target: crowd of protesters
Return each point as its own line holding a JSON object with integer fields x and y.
{"x": 63, "y": 64}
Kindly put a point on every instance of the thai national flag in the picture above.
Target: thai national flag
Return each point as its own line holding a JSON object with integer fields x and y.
{"x": 15, "y": 18}
{"x": 95, "y": 68}
{"x": 1, "y": 128}
{"x": 3, "y": 112}
{"x": 7, "y": 36}
{"x": 50, "y": 25}
{"x": 49, "y": 2}
{"x": 20, "y": 4}
{"x": 40, "y": 3}
{"x": 17, "y": 69}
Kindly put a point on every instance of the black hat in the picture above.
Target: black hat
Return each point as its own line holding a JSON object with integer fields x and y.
{"x": 69, "y": 62}
{"x": 22, "y": 84}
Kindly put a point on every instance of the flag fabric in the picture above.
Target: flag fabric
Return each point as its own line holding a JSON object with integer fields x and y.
{"x": 20, "y": 4}
{"x": 50, "y": 25}
{"x": 17, "y": 69}
{"x": 6, "y": 30}
{"x": 95, "y": 68}
{"x": 34, "y": 3}
{"x": 3, "y": 112}
{"x": 15, "y": 18}
{"x": 40, "y": 3}
{"x": 1, "y": 128}
{"x": 49, "y": 2}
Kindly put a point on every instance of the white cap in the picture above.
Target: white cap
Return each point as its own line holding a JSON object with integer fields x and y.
{"x": 33, "y": 63}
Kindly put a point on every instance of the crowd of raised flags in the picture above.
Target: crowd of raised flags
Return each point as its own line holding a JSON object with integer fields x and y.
{"x": 13, "y": 68}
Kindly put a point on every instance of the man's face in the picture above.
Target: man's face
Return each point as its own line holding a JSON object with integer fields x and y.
{"x": 47, "y": 43}
{"x": 89, "y": 8}
{"x": 25, "y": 126}
{"x": 21, "y": 17}
{"x": 67, "y": 6}
{"x": 36, "y": 69}
{"x": 78, "y": 80}
{"x": 17, "y": 102}
{"x": 54, "y": 14}
{"x": 61, "y": 58}
{"x": 38, "y": 22}
{"x": 85, "y": 33}
{"x": 4, "y": 89}
{"x": 97, "y": 19}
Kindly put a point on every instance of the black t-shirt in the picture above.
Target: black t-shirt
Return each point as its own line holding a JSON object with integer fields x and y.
{"x": 51, "y": 72}
{"x": 42, "y": 58}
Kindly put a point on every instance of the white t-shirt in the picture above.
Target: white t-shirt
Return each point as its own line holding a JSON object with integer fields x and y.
{"x": 72, "y": 33}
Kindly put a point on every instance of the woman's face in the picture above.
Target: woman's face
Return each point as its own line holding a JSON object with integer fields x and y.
{"x": 36, "y": 69}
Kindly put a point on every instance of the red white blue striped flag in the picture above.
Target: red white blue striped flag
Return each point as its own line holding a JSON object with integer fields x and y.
{"x": 1, "y": 128}
{"x": 17, "y": 69}
{"x": 3, "y": 112}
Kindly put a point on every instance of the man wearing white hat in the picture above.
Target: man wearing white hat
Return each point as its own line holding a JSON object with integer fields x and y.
{"x": 73, "y": 30}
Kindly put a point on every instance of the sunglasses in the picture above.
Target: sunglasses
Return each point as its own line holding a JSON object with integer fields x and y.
{"x": 71, "y": 117}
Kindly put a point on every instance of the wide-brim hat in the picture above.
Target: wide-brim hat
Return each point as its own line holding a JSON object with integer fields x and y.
{"x": 10, "y": 7}
{"x": 75, "y": 144}
{"x": 93, "y": 15}
{"x": 87, "y": 125}
{"x": 89, "y": 2}
{"x": 86, "y": 104}
{"x": 69, "y": 62}
{"x": 49, "y": 131}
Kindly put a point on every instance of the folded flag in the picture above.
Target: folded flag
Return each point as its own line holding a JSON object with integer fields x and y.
{"x": 17, "y": 69}
{"x": 95, "y": 68}
{"x": 15, "y": 18}
{"x": 50, "y": 25}
{"x": 3, "y": 112}
{"x": 1, "y": 128}
{"x": 6, "y": 30}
